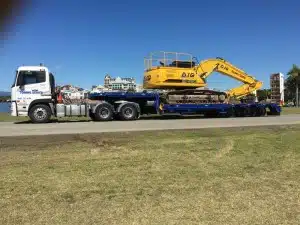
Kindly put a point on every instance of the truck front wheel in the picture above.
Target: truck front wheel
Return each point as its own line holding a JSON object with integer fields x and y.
{"x": 40, "y": 113}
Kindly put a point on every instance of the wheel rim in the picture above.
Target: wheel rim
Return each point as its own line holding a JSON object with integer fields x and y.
{"x": 128, "y": 112}
{"x": 104, "y": 113}
{"x": 40, "y": 113}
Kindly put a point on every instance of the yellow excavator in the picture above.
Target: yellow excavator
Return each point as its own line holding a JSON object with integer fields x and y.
{"x": 182, "y": 73}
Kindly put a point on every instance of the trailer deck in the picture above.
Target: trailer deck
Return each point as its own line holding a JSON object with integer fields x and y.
{"x": 149, "y": 102}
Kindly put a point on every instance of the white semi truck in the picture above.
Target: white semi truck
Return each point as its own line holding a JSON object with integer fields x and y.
{"x": 33, "y": 94}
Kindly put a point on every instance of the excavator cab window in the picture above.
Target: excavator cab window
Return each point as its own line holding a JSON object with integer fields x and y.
{"x": 183, "y": 64}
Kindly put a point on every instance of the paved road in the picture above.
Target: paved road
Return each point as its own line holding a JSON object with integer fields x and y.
{"x": 19, "y": 129}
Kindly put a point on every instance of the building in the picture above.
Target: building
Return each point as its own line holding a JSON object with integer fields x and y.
{"x": 70, "y": 88}
{"x": 139, "y": 88}
{"x": 74, "y": 92}
{"x": 277, "y": 88}
{"x": 119, "y": 83}
{"x": 99, "y": 88}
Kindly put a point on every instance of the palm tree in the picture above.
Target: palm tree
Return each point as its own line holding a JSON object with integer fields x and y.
{"x": 294, "y": 72}
{"x": 293, "y": 81}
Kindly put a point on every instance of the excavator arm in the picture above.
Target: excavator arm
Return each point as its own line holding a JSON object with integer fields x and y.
{"x": 207, "y": 67}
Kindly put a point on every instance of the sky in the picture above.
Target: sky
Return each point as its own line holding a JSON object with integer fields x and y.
{"x": 81, "y": 41}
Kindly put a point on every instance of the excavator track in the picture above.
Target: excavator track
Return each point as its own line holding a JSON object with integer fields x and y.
{"x": 194, "y": 96}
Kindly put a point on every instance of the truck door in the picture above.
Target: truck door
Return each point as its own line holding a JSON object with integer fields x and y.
{"x": 30, "y": 85}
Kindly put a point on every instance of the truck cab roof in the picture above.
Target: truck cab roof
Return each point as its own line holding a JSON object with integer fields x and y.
{"x": 34, "y": 68}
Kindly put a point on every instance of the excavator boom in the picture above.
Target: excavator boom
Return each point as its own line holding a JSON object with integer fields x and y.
{"x": 171, "y": 70}
{"x": 250, "y": 84}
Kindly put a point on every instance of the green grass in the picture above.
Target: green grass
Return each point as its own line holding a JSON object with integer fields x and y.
{"x": 290, "y": 110}
{"x": 5, "y": 117}
{"x": 211, "y": 176}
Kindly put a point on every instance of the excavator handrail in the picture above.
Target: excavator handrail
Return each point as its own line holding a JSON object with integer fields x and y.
{"x": 165, "y": 57}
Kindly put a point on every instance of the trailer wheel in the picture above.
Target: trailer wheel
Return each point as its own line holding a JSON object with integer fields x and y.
{"x": 241, "y": 112}
{"x": 211, "y": 114}
{"x": 263, "y": 111}
{"x": 40, "y": 113}
{"x": 229, "y": 113}
{"x": 104, "y": 112}
{"x": 128, "y": 112}
{"x": 257, "y": 112}
{"x": 254, "y": 111}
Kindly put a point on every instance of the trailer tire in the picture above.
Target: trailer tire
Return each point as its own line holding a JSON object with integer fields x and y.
{"x": 211, "y": 114}
{"x": 263, "y": 111}
{"x": 229, "y": 113}
{"x": 241, "y": 112}
{"x": 254, "y": 112}
{"x": 104, "y": 112}
{"x": 128, "y": 112}
{"x": 40, "y": 113}
{"x": 257, "y": 112}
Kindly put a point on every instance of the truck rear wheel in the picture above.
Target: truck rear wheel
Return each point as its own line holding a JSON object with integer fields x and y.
{"x": 104, "y": 112}
{"x": 40, "y": 113}
{"x": 128, "y": 112}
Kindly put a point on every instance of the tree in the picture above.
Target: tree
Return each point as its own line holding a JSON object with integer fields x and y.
{"x": 290, "y": 83}
{"x": 4, "y": 98}
{"x": 263, "y": 94}
{"x": 131, "y": 89}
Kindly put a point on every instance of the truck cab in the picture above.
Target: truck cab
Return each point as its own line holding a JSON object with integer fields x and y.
{"x": 33, "y": 92}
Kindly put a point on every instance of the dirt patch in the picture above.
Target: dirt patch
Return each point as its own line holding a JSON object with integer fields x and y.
{"x": 229, "y": 144}
{"x": 47, "y": 141}
{"x": 120, "y": 138}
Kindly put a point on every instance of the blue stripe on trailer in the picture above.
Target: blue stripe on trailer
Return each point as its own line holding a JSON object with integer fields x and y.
{"x": 196, "y": 107}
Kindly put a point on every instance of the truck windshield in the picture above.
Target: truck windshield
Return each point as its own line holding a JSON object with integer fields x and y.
{"x": 31, "y": 77}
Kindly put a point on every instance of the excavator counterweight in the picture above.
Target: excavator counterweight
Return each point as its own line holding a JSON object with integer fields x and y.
{"x": 181, "y": 71}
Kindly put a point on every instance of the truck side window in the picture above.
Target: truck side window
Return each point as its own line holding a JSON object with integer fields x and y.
{"x": 31, "y": 77}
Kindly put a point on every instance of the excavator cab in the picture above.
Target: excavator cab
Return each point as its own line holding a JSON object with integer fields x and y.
{"x": 183, "y": 64}
{"x": 171, "y": 70}
{"x": 169, "y": 59}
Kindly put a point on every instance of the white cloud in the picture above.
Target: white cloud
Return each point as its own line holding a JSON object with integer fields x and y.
{"x": 57, "y": 67}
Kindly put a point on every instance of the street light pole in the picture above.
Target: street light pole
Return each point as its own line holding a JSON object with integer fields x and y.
{"x": 297, "y": 95}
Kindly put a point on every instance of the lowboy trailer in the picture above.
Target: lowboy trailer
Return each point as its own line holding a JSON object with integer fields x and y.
{"x": 130, "y": 106}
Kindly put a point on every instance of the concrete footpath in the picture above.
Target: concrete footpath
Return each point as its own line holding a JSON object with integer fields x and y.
{"x": 21, "y": 129}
